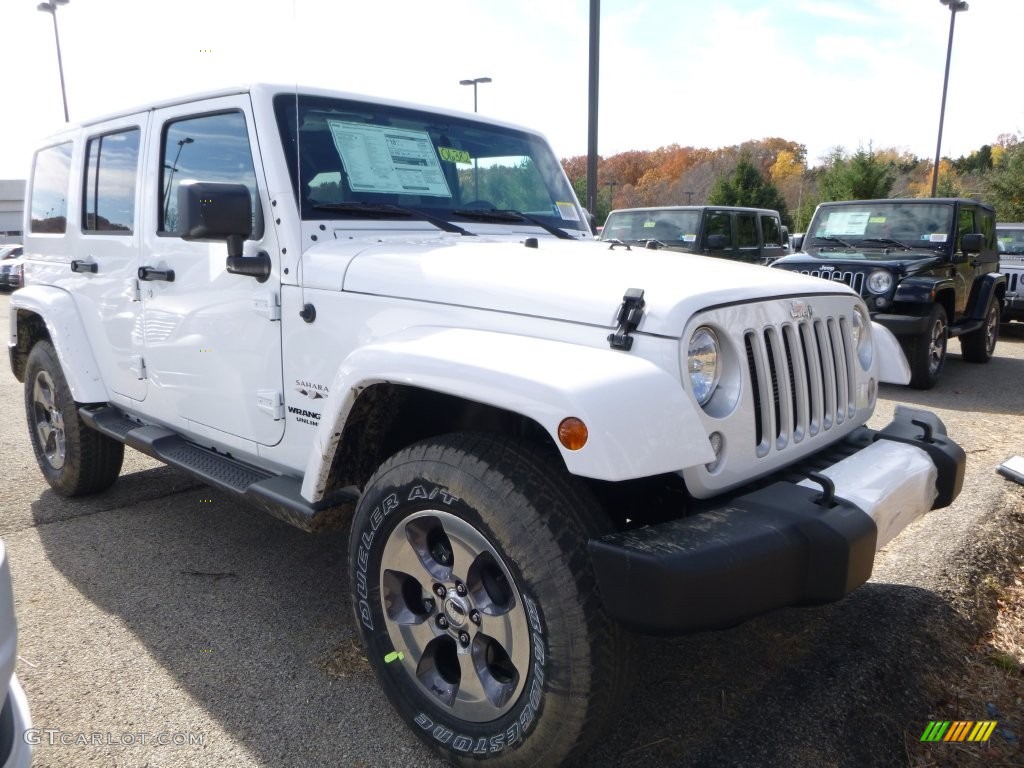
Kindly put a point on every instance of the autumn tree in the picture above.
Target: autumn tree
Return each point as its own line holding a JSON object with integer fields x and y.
{"x": 746, "y": 186}
{"x": 1004, "y": 186}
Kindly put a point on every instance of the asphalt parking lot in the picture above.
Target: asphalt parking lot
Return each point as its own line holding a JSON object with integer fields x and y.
{"x": 164, "y": 624}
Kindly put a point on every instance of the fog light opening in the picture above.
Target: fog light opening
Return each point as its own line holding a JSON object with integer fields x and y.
{"x": 717, "y": 441}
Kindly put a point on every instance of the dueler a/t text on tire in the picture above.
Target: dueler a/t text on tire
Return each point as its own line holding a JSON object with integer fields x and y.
{"x": 74, "y": 459}
{"x": 477, "y": 603}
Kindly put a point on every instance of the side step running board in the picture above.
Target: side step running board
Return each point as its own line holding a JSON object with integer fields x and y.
{"x": 277, "y": 494}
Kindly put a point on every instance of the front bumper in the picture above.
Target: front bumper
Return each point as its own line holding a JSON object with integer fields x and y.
{"x": 785, "y": 544}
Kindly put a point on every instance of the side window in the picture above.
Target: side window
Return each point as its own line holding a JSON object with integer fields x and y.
{"x": 206, "y": 148}
{"x": 719, "y": 223}
{"x": 988, "y": 228}
{"x": 51, "y": 175}
{"x": 108, "y": 197}
{"x": 771, "y": 230}
{"x": 746, "y": 230}
{"x": 964, "y": 224}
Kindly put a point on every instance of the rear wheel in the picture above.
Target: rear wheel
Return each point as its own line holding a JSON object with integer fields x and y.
{"x": 979, "y": 346}
{"x": 477, "y": 603}
{"x": 926, "y": 353}
{"x": 74, "y": 459}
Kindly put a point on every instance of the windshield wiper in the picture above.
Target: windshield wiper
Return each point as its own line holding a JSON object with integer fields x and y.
{"x": 835, "y": 240}
{"x": 889, "y": 240}
{"x": 388, "y": 211}
{"x": 502, "y": 215}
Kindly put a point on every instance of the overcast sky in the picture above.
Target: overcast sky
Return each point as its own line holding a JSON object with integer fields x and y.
{"x": 706, "y": 74}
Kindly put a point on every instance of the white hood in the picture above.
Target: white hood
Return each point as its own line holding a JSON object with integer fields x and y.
{"x": 575, "y": 281}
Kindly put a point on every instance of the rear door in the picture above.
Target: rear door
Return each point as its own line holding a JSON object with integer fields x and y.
{"x": 212, "y": 339}
{"x": 106, "y": 257}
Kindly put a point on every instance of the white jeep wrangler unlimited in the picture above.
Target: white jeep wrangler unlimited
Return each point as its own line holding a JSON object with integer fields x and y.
{"x": 342, "y": 308}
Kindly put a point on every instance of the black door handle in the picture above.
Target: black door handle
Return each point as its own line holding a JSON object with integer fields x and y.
{"x": 149, "y": 273}
{"x": 84, "y": 266}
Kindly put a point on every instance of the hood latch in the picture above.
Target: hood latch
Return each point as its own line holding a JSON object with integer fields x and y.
{"x": 631, "y": 312}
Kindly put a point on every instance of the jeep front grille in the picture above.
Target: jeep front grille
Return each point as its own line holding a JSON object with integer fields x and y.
{"x": 1013, "y": 283}
{"x": 853, "y": 279}
{"x": 802, "y": 380}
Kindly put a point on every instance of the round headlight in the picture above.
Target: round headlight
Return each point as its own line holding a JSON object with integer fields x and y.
{"x": 861, "y": 331}
{"x": 880, "y": 281}
{"x": 702, "y": 363}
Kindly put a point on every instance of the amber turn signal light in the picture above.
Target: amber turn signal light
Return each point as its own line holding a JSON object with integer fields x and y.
{"x": 572, "y": 433}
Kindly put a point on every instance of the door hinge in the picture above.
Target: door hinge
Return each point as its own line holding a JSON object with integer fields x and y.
{"x": 136, "y": 291}
{"x": 268, "y": 305}
{"x": 137, "y": 366}
{"x": 271, "y": 402}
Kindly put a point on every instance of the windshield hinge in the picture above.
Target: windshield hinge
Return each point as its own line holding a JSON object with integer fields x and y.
{"x": 631, "y": 312}
{"x": 271, "y": 402}
{"x": 268, "y": 305}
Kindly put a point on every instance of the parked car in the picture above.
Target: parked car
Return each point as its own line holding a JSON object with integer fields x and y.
{"x": 392, "y": 317}
{"x": 927, "y": 268}
{"x": 1011, "y": 264}
{"x": 754, "y": 235}
{"x": 15, "y": 719}
{"x": 11, "y": 266}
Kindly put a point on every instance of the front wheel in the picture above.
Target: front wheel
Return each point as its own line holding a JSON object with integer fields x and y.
{"x": 979, "y": 346}
{"x": 477, "y": 603}
{"x": 74, "y": 459}
{"x": 926, "y": 353}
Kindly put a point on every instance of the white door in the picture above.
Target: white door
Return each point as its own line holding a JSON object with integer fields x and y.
{"x": 212, "y": 339}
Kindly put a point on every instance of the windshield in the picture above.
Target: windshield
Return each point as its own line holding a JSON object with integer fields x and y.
{"x": 674, "y": 228}
{"x": 356, "y": 153}
{"x": 1010, "y": 240}
{"x": 884, "y": 225}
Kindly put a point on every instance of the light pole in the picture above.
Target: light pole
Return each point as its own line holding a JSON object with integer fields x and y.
{"x": 474, "y": 82}
{"x": 50, "y": 7}
{"x": 954, "y": 6}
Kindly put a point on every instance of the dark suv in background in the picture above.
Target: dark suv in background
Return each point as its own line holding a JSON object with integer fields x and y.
{"x": 928, "y": 270}
{"x": 744, "y": 234}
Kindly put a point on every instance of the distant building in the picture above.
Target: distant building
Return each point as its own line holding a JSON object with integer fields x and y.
{"x": 12, "y": 210}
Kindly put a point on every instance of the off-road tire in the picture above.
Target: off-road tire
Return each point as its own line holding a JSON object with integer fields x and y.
{"x": 979, "y": 346}
{"x": 74, "y": 459}
{"x": 926, "y": 352}
{"x": 512, "y": 526}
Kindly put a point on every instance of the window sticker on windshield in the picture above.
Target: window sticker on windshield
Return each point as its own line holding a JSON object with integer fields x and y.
{"x": 689, "y": 238}
{"x": 454, "y": 155}
{"x": 388, "y": 160}
{"x": 567, "y": 211}
{"x": 847, "y": 223}
{"x": 649, "y": 224}
{"x": 877, "y": 220}
{"x": 937, "y": 237}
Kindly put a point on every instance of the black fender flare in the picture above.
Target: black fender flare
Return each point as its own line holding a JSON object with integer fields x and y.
{"x": 987, "y": 286}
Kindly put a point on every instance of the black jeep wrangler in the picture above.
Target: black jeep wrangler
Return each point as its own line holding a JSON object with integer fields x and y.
{"x": 927, "y": 268}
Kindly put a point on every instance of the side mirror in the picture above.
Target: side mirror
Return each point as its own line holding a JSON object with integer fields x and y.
{"x": 796, "y": 242}
{"x": 973, "y": 243}
{"x": 209, "y": 210}
{"x": 718, "y": 242}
